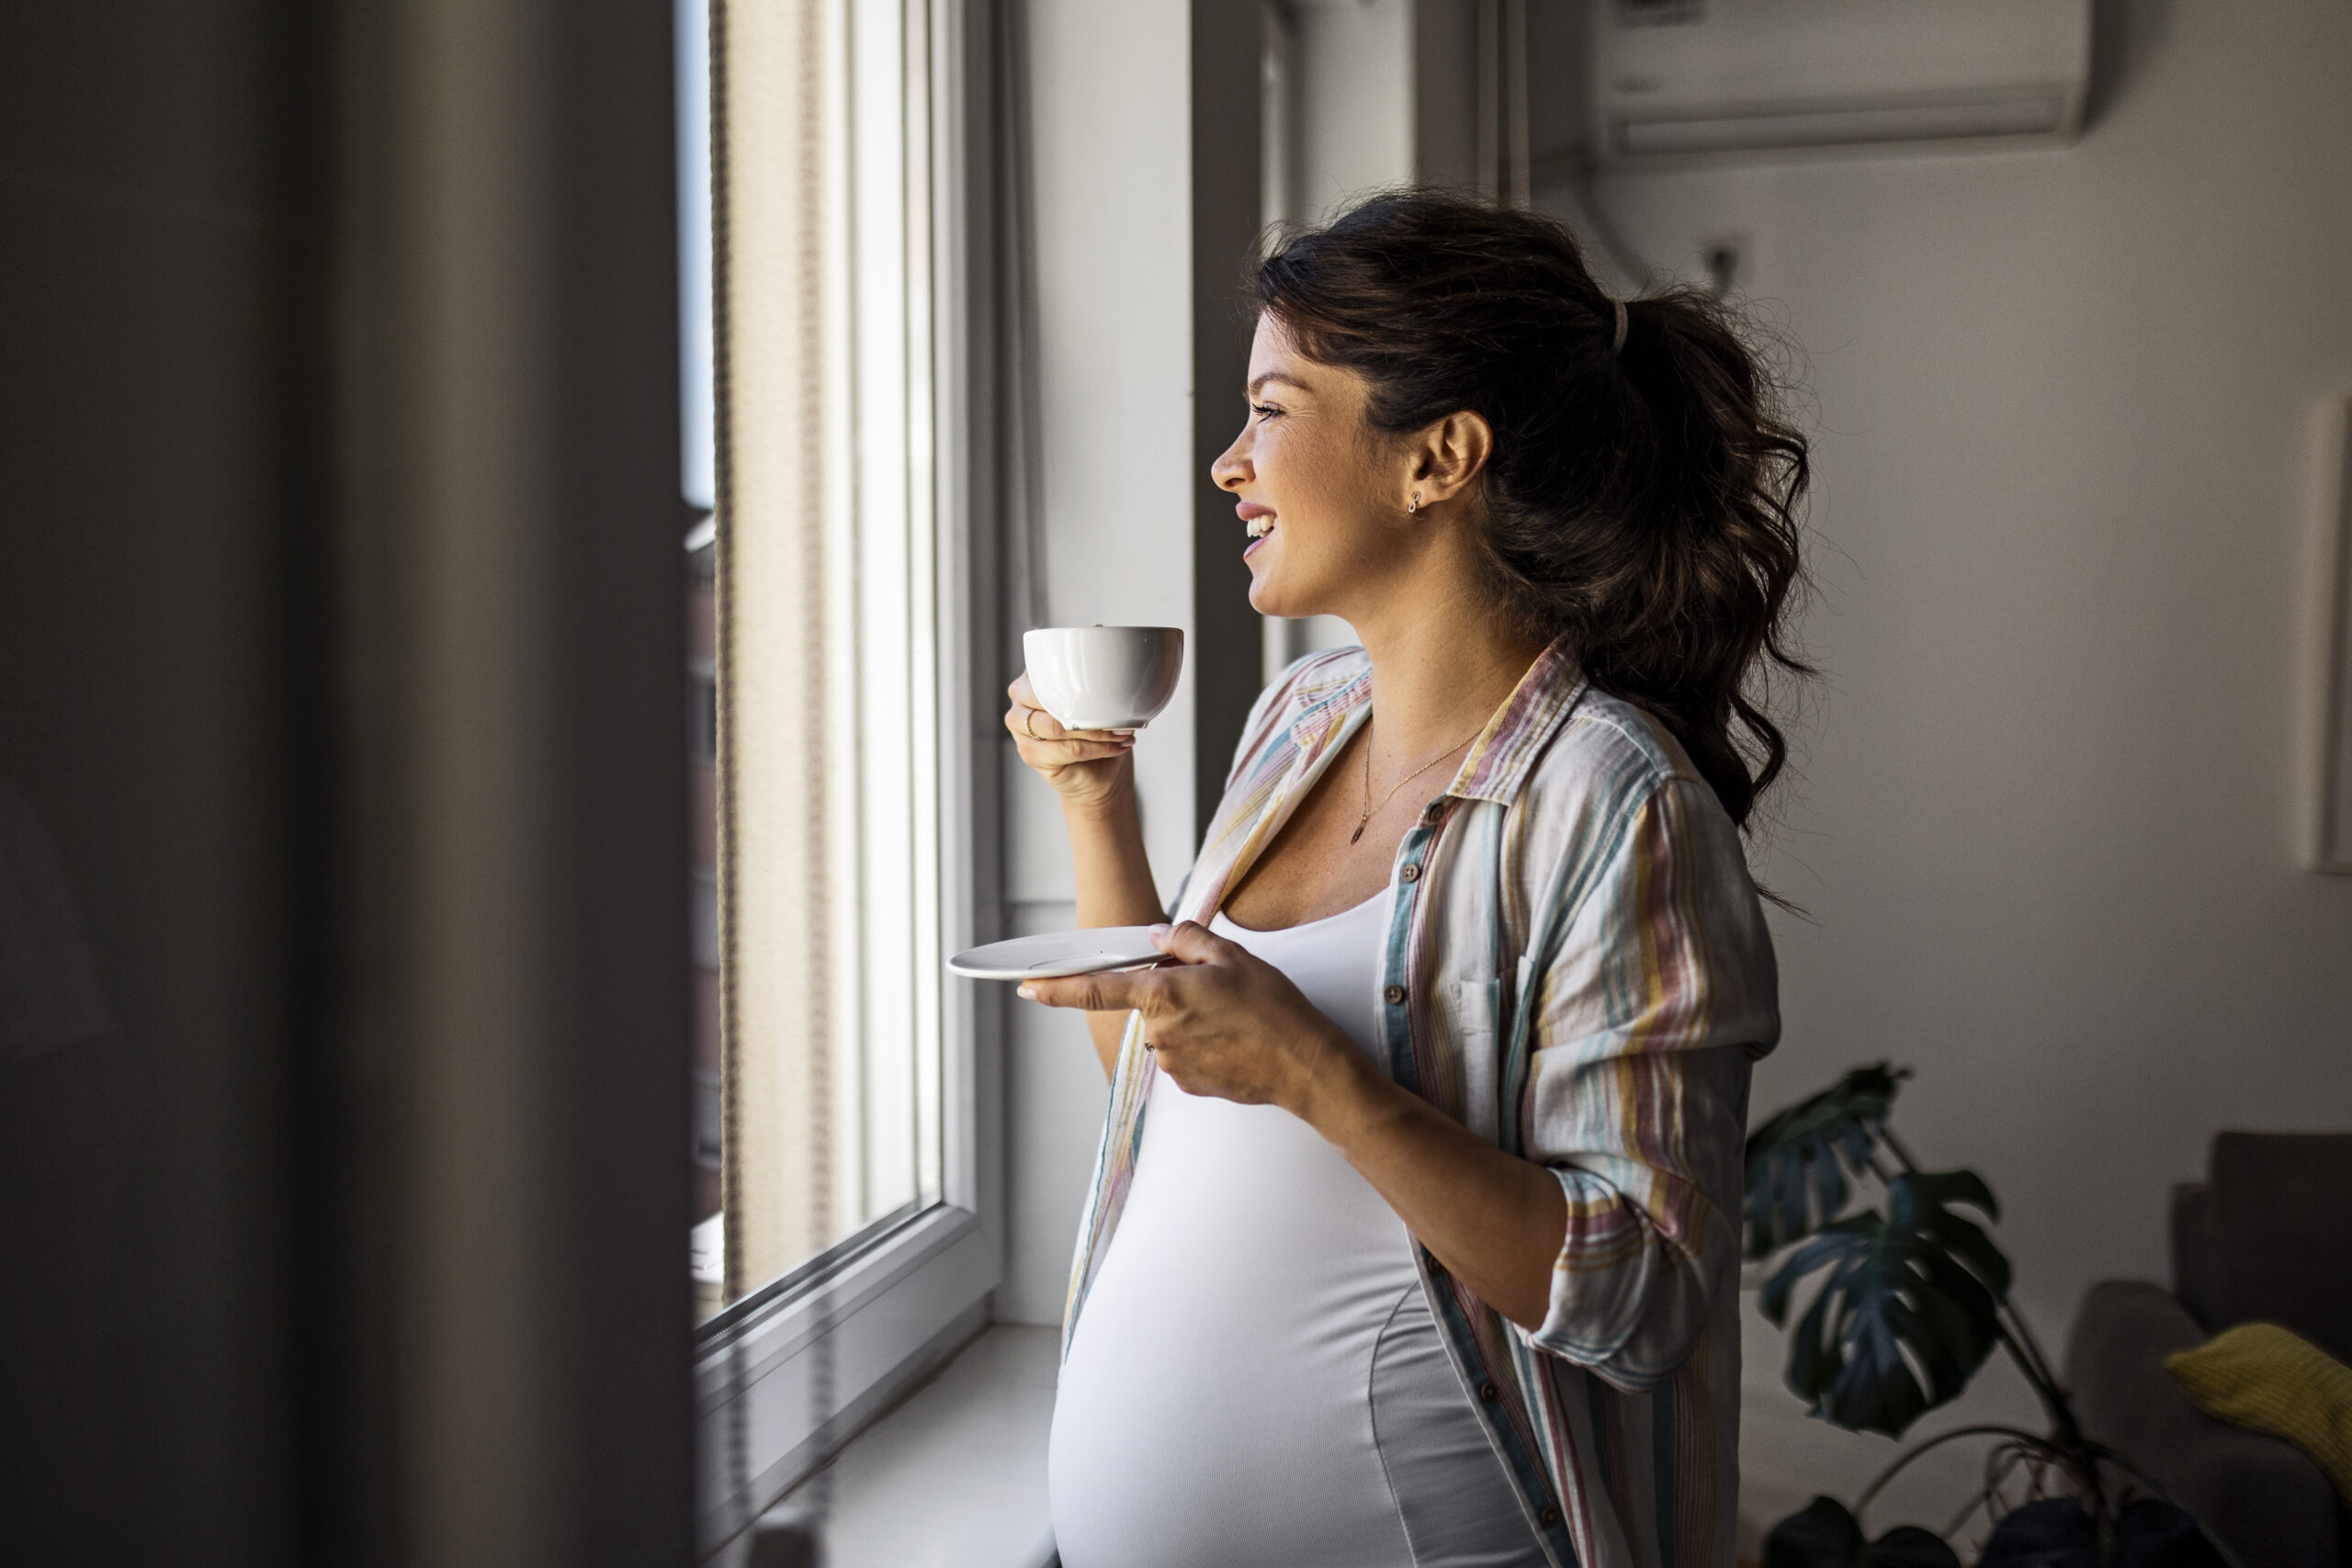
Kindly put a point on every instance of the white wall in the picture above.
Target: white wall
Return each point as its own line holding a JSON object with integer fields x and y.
{"x": 1354, "y": 102}
{"x": 2045, "y": 816}
{"x": 1111, "y": 128}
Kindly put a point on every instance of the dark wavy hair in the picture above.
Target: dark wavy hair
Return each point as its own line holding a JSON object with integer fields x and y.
{"x": 1643, "y": 502}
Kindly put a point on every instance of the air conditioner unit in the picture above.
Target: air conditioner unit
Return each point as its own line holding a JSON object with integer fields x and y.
{"x": 1677, "y": 79}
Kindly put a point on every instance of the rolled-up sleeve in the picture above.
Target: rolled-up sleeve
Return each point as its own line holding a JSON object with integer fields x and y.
{"x": 1659, "y": 997}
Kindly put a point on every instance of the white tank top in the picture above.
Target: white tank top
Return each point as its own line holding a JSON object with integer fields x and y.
{"x": 1255, "y": 1380}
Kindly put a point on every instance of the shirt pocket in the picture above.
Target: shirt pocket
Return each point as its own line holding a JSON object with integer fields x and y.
{"x": 1476, "y": 1005}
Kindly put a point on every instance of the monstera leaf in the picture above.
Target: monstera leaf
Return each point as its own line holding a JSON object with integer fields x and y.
{"x": 2057, "y": 1533}
{"x": 1827, "y": 1535}
{"x": 1798, "y": 1162}
{"x": 2054, "y": 1532}
{"x": 2153, "y": 1533}
{"x": 1919, "y": 1278}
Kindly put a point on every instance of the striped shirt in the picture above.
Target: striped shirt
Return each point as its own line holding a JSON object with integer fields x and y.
{"x": 1578, "y": 969}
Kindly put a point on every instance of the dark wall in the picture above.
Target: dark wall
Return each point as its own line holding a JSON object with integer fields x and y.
{"x": 141, "y": 721}
{"x": 340, "y": 622}
{"x": 1227, "y": 652}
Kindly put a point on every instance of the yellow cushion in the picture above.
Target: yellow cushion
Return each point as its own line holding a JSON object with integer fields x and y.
{"x": 2262, "y": 1376}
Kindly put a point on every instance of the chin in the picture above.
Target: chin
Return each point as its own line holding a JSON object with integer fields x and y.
{"x": 1268, "y": 601}
{"x": 1276, "y": 591}
{"x": 1267, "y": 598}
{"x": 1262, "y": 595}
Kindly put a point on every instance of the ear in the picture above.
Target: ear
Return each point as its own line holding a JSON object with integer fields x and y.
{"x": 1443, "y": 459}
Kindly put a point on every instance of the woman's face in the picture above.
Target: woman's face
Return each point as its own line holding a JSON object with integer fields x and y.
{"x": 1323, "y": 492}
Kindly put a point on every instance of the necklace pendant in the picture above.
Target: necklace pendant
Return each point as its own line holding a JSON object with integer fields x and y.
{"x": 1358, "y": 832}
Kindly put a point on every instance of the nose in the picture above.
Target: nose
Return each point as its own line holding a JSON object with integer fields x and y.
{"x": 1232, "y": 470}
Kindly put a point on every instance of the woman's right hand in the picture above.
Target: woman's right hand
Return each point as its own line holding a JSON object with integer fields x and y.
{"x": 1088, "y": 768}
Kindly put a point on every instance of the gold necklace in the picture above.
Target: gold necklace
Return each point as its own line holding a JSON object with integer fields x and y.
{"x": 1365, "y": 820}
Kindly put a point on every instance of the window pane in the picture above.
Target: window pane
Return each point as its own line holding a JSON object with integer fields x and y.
{"x": 826, "y": 703}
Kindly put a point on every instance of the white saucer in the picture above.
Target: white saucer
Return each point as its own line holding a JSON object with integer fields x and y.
{"x": 1059, "y": 953}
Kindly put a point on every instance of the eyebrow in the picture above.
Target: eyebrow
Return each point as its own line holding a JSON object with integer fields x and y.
{"x": 1259, "y": 384}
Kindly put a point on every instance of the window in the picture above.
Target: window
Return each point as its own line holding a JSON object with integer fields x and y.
{"x": 841, "y": 705}
{"x": 829, "y": 918}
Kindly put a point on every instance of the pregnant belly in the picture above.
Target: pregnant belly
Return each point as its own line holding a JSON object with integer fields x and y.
{"x": 1214, "y": 1408}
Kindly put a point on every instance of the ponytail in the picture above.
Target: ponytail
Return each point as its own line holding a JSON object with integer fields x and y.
{"x": 1642, "y": 497}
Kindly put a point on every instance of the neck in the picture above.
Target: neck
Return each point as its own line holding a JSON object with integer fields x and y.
{"x": 1443, "y": 661}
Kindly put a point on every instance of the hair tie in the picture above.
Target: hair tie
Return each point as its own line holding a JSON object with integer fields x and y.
{"x": 1617, "y": 344}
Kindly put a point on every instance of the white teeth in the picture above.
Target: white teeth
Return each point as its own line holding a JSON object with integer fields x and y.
{"x": 1261, "y": 526}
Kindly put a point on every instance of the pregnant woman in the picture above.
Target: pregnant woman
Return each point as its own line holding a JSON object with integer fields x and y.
{"x": 1413, "y": 1236}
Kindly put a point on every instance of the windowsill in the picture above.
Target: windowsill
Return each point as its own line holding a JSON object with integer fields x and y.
{"x": 955, "y": 1476}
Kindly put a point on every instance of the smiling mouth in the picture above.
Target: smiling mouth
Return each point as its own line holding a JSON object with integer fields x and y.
{"x": 1260, "y": 526}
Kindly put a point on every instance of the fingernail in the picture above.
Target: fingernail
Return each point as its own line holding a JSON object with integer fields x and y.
{"x": 1160, "y": 931}
{"x": 1026, "y": 995}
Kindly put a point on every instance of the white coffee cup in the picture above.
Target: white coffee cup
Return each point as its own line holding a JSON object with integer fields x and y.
{"x": 1103, "y": 677}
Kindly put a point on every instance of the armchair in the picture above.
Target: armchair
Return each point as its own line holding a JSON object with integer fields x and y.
{"x": 2268, "y": 1236}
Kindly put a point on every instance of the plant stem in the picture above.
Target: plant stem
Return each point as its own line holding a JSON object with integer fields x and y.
{"x": 1892, "y": 1470}
{"x": 2065, "y": 1440}
{"x": 1983, "y": 1500}
{"x": 2022, "y": 1351}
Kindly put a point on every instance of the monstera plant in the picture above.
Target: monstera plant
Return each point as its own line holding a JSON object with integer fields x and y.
{"x": 1905, "y": 1296}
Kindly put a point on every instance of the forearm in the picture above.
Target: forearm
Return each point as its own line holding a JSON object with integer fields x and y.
{"x": 1495, "y": 1221}
{"x": 1114, "y": 887}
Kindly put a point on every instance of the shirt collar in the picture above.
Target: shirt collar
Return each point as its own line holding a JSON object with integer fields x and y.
{"x": 1504, "y": 751}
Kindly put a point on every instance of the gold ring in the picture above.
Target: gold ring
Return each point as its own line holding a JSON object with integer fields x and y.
{"x": 1029, "y": 723}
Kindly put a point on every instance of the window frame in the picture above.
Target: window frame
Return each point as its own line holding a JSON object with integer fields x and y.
{"x": 874, "y": 1311}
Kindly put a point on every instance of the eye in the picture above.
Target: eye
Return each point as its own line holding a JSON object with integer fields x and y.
{"x": 1264, "y": 410}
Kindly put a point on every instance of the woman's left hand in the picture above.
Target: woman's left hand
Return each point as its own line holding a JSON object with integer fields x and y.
{"x": 1223, "y": 1023}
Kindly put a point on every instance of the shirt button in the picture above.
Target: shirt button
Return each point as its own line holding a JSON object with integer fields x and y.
{"x": 1412, "y": 872}
{"x": 1550, "y": 1516}
{"x": 1487, "y": 1391}
{"x": 1393, "y": 995}
{"x": 1435, "y": 814}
